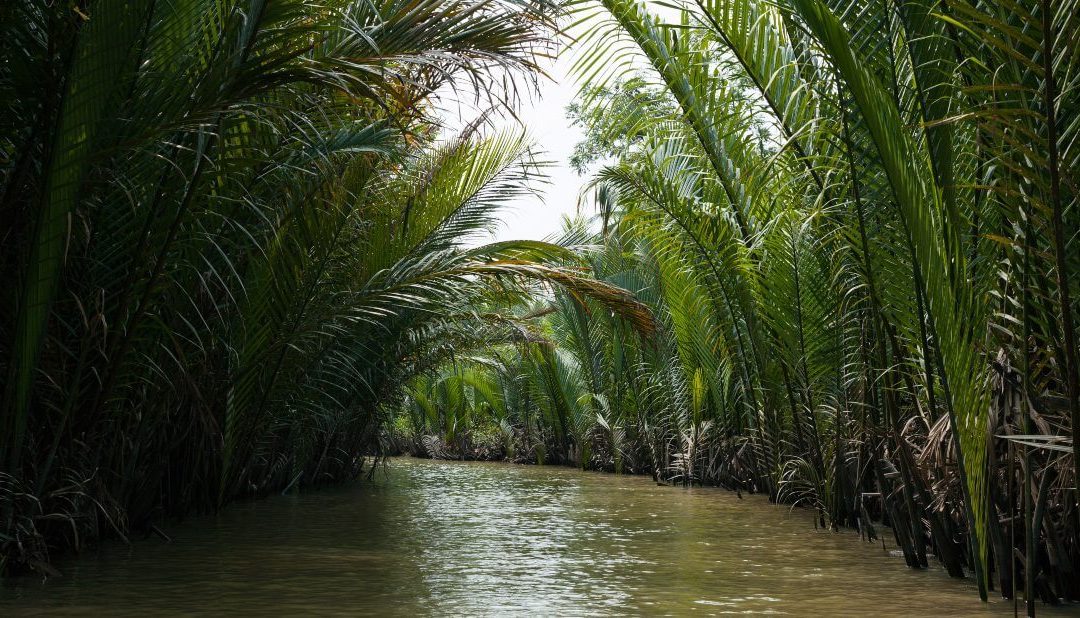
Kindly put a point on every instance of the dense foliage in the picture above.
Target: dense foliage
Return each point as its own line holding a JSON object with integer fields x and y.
{"x": 231, "y": 232}
{"x": 835, "y": 260}
{"x": 856, "y": 223}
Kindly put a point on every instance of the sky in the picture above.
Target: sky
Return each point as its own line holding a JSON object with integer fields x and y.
{"x": 544, "y": 117}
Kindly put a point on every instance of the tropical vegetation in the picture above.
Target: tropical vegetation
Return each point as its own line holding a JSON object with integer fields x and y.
{"x": 856, "y": 224}
{"x": 833, "y": 260}
{"x": 232, "y": 229}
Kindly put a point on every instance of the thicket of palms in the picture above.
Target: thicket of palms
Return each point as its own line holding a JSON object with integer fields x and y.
{"x": 230, "y": 234}
{"x": 856, "y": 224}
{"x": 835, "y": 260}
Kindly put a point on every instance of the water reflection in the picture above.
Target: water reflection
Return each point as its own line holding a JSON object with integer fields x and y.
{"x": 466, "y": 538}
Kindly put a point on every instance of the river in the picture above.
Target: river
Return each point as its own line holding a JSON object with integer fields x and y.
{"x": 454, "y": 538}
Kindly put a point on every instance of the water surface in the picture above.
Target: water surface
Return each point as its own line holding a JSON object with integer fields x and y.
{"x": 438, "y": 538}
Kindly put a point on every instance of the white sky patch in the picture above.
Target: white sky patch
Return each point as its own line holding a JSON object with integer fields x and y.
{"x": 543, "y": 116}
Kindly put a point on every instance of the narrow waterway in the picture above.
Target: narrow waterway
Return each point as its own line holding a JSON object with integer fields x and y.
{"x": 450, "y": 538}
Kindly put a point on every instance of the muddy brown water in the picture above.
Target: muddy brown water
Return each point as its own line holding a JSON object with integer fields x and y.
{"x": 453, "y": 538}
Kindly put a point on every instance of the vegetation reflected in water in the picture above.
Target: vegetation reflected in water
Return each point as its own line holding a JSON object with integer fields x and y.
{"x": 429, "y": 537}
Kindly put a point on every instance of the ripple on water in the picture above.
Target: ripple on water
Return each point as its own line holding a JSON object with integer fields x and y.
{"x": 438, "y": 538}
